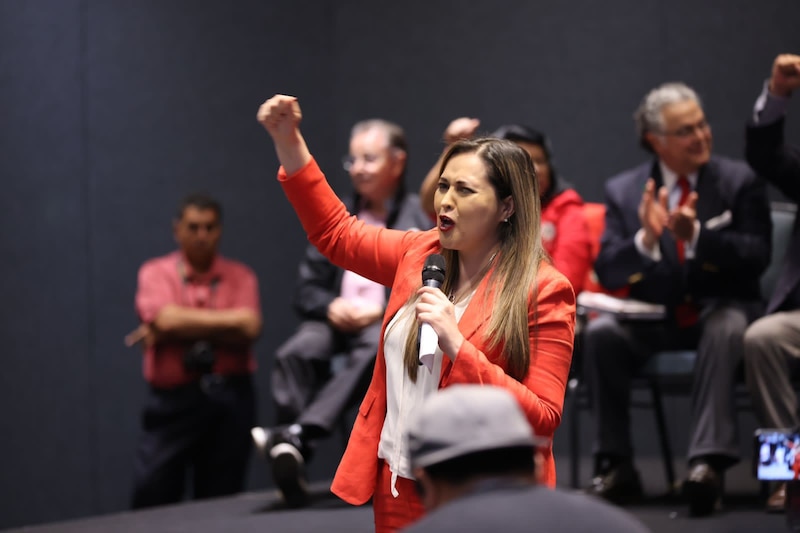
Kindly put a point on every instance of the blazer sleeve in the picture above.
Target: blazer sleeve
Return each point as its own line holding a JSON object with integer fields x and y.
{"x": 347, "y": 242}
{"x": 747, "y": 246}
{"x": 773, "y": 159}
{"x": 618, "y": 259}
{"x": 317, "y": 285}
{"x": 551, "y": 328}
{"x": 572, "y": 255}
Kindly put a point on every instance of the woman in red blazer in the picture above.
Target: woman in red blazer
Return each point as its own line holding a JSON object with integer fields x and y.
{"x": 504, "y": 315}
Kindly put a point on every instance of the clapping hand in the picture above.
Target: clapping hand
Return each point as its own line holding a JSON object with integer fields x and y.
{"x": 653, "y": 213}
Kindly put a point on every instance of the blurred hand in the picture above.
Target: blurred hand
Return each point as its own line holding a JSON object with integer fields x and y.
{"x": 340, "y": 315}
{"x": 144, "y": 334}
{"x": 653, "y": 212}
{"x": 681, "y": 219}
{"x": 346, "y": 317}
{"x": 785, "y": 75}
{"x": 461, "y": 128}
{"x": 280, "y": 116}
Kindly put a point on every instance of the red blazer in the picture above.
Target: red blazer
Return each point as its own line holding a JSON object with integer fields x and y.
{"x": 395, "y": 258}
{"x": 565, "y": 236}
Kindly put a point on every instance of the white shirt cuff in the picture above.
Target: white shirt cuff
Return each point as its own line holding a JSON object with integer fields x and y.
{"x": 654, "y": 253}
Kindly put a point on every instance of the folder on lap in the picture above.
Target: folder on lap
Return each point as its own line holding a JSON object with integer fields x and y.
{"x": 624, "y": 308}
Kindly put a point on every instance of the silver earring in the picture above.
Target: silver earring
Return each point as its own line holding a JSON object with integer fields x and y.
{"x": 505, "y": 220}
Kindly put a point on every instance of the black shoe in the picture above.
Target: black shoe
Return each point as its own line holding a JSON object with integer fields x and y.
{"x": 289, "y": 466}
{"x": 703, "y": 490}
{"x": 288, "y": 471}
{"x": 620, "y": 484}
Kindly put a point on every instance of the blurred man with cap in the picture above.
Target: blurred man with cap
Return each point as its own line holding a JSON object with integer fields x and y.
{"x": 474, "y": 457}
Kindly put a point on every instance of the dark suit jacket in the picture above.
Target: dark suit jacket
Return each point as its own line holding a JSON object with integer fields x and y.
{"x": 319, "y": 281}
{"x": 729, "y": 257}
{"x": 780, "y": 165}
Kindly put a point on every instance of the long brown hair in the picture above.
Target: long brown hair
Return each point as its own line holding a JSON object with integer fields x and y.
{"x": 510, "y": 171}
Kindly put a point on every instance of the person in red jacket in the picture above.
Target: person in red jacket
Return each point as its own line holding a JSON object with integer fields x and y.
{"x": 565, "y": 232}
{"x": 504, "y": 316}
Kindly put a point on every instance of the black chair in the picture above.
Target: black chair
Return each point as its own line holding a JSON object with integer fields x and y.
{"x": 670, "y": 372}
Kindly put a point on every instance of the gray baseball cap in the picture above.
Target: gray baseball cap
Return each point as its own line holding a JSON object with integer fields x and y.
{"x": 464, "y": 419}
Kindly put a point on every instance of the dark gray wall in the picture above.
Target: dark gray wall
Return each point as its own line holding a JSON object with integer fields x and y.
{"x": 110, "y": 111}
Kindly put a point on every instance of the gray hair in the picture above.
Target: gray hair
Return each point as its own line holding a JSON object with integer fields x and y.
{"x": 394, "y": 133}
{"x": 648, "y": 117}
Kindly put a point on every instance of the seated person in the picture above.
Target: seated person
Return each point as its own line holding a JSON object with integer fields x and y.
{"x": 476, "y": 462}
{"x": 691, "y": 231}
{"x": 341, "y": 314}
{"x": 565, "y": 234}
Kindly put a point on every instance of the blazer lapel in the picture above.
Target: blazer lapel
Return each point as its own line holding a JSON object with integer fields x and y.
{"x": 477, "y": 312}
{"x": 709, "y": 202}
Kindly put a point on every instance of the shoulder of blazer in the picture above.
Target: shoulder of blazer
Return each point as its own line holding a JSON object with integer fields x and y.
{"x": 731, "y": 171}
{"x": 629, "y": 182}
{"x": 410, "y": 214}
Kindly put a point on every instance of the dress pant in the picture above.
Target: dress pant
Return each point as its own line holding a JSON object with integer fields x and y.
{"x": 614, "y": 351}
{"x": 302, "y": 386}
{"x": 771, "y": 357}
{"x": 201, "y": 429}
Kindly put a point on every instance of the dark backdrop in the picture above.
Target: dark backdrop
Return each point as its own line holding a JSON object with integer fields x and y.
{"x": 112, "y": 110}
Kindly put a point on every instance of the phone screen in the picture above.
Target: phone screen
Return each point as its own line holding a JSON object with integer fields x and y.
{"x": 775, "y": 451}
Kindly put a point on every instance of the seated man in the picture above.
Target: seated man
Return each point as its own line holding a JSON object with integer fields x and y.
{"x": 341, "y": 314}
{"x": 474, "y": 458}
{"x": 692, "y": 231}
{"x": 772, "y": 342}
{"x": 565, "y": 233}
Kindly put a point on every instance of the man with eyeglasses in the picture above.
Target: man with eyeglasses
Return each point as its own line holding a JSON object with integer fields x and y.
{"x": 341, "y": 313}
{"x": 692, "y": 231}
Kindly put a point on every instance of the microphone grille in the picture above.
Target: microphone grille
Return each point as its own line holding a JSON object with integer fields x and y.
{"x": 434, "y": 268}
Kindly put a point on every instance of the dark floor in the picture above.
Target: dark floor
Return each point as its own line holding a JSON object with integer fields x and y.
{"x": 264, "y": 512}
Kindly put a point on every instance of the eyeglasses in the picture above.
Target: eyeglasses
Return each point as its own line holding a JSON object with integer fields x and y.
{"x": 349, "y": 160}
{"x": 687, "y": 131}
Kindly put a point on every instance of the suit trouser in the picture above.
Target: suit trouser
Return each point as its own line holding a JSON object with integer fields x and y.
{"x": 614, "y": 351}
{"x": 302, "y": 387}
{"x": 202, "y": 430}
{"x": 771, "y": 356}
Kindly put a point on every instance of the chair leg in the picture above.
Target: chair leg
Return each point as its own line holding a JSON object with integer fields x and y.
{"x": 663, "y": 436}
{"x": 574, "y": 428}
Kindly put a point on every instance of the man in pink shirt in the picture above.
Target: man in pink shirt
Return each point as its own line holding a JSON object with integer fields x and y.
{"x": 200, "y": 315}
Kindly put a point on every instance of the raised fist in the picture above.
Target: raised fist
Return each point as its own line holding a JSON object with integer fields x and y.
{"x": 280, "y": 116}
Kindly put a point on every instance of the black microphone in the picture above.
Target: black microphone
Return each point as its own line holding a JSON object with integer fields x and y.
{"x": 432, "y": 276}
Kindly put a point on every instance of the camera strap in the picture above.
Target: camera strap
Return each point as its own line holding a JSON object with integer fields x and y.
{"x": 212, "y": 295}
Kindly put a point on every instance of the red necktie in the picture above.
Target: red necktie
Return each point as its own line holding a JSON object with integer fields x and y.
{"x": 685, "y": 313}
{"x": 683, "y": 183}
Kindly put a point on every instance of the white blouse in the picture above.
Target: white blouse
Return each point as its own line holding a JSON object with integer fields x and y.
{"x": 404, "y": 396}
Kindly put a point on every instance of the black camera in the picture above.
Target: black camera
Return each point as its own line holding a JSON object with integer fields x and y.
{"x": 199, "y": 358}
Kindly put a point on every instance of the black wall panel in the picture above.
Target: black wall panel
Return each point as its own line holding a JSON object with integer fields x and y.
{"x": 111, "y": 111}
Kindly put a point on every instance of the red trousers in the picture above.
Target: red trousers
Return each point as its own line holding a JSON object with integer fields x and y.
{"x": 392, "y": 514}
